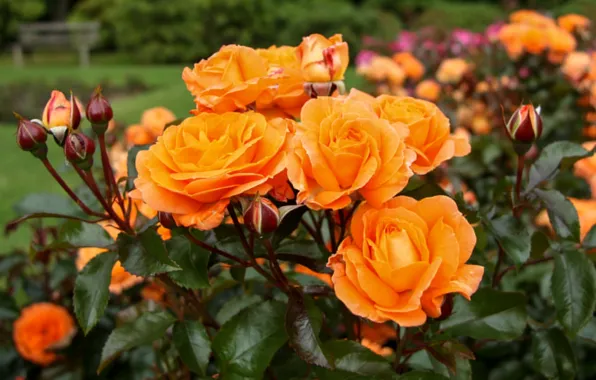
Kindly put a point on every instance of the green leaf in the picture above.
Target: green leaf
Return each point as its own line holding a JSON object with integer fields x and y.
{"x": 425, "y": 191}
{"x": 547, "y": 165}
{"x": 245, "y": 345}
{"x": 192, "y": 259}
{"x": 561, "y": 213}
{"x": 8, "y": 307}
{"x": 588, "y": 332}
{"x": 62, "y": 270}
{"x": 304, "y": 252}
{"x": 303, "y": 324}
{"x": 422, "y": 375}
{"x": 553, "y": 355}
{"x": 46, "y": 203}
{"x": 10, "y": 261}
{"x": 76, "y": 234}
{"x": 288, "y": 225}
{"x": 193, "y": 345}
{"x": 147, "y": 328}
{"x": 540, "y": 244}
{"x": 353, "y": 361}
{"x": 91, "y": 292}
{"x": 131, "y": 165}
{"x": 491, "y": 314}
{"x": 512, "y": 236}
{"x": 573, "y": 287}
{"x": 235, "y": 305}
{"x": 144, "y": 254}
{"x": 590, "y": 239}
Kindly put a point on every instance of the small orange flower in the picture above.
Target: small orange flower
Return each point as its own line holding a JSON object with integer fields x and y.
{"x": 41, "y": 328}
{"x": 153, "y": 292}
{"x": 137, "y": 134}
{"x": 576, "y": 65}
{"x": 573, "y": 22}
{"x": 429, "y": 130}
{"x": 342, "y": 148}
{"x": 195, "y": 168}
{"x": 560, "y": 44}
{"x": 510, "y": 37}
{"x": 413, "y": 68}
{"x": 429, "y": 90}
{"x": 322, "y": 59}
{"x": 155, "y": 120}
{"x": 403, "y": 258}
{"x": 452, "y": 70}
{"x": 381, "y": 69}
{"x": 231, "y": 79}
{"x": 121, "y": 279}
{"x": 529, "y": 17}
{"x": 534, "y": 40}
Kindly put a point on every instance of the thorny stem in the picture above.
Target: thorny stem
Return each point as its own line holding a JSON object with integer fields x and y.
{"x": 108, "y": 174}
{"x": 247, "y": 249}
{"x": 518, "y": 182}
{"x": 88, "y": 178}
{"x": 275, "y": 268}
{"x": 69, "y": 191}
{"x": 313, "y": 233}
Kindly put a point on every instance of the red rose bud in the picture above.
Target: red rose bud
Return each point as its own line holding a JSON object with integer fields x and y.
{"x": 261, "y": 216}
{"x": 30, "y": 135}
{"x": 525, "y": 125}
{"x": 99, "y": 111}
{"x": 79, "y": 150}
{"x": 166, "y": 220}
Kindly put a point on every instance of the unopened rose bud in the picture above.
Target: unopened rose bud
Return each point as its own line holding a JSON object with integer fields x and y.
{"x": 99, "y": 112}
{"x": 61, "y": 115}
{"x": 316, "y": 89}
{"x": 524, "y": 127}
{"x": 261, "y": 216}
{"x": 31, "y": 137}
{"x": 166, "y": 220}
{"x": 79, "y": 150}
{"x": 322, "y": 59}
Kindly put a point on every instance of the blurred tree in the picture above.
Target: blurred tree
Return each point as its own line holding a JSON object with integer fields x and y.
{"x": 14, "y": 12}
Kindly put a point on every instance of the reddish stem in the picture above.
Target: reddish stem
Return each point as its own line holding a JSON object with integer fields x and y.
{"x": 518, "y": 183}
{"x": 108, "y": 174}
{"x": 216, "y": 251}
{"x": 69, "y": 191}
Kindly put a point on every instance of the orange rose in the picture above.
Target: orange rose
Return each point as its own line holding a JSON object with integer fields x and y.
{"x": 153, "y": 292}
{"x": 510, "y": 37}
{"x": 195, "y": 168}
{"x": 576, "y": 65}
{"x": 534, "y": 40}
{"x": 412, "y": 66}
{"x": 137, "y": 134}
{"x": 121, "y": 279}
{"x": 231, "y": 79}
{"x": 381, "y": 69}
{"x": 429, "y": 130}
{"x": 452, "y": 70}
{"x": 288, "y": 94}
{"x": 342, "y": 148}
{"x": 573, "y": 22}
{"x": 155, "y": 120}
{"x": 404, "y": 258}
{"x": 322, "y": 59}
{"x": 586, "y": 168}
{"x": 530, "y": 17}
{"x": 560, "y": 42}
{"x": 42, "y": 328}
{"x": 428, "y": 89}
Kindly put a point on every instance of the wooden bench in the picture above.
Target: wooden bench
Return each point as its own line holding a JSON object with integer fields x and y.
{"x": 81, "y": 36}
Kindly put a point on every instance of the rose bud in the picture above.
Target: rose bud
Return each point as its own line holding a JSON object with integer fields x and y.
{"x": 31, "y": 137}
{"x": 61, "y": 115}
{"x": 99, "y": 112}
{"x": 79, "y": 150}
{"x": 322, "y": 59}
{"x": 524, "y": 127}
{"x": 316, "y": 89}
{"x": 261, "y": 216}
{"x": 166, "y": 220}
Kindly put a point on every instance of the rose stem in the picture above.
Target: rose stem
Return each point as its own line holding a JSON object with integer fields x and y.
{"x": 68, "y": 190}
{"x": 247, "y": 248}
{"x": 496, "y": 277}
{"x": 518, "y": 182}
{"x": 88, "y": 178}
{"x": 274, "y": 264}
{"x": 313, "y": 233}
{"x": 331, "y": 224}
{"x": 215, "y": 250}
{"x": 108, "y": 173}
{"x": 526, "y": 264}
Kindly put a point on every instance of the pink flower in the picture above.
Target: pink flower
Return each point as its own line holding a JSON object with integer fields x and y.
{"x": 364, "y": 57}
{"x": 492, "y": 31}
{"x": 406, "y": 41}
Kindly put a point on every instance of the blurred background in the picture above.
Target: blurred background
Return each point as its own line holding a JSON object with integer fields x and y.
{"x": 142, "y": 46}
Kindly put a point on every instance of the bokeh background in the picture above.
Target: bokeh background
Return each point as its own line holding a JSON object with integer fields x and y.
{"x": 144, "y": 44}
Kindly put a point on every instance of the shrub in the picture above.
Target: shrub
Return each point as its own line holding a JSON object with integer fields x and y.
{"x": 444, "y": 15}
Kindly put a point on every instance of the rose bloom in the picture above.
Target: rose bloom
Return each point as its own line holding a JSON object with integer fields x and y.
{"x": 586, "y": 168}
{"x": 561, "y": 43}
{"x": 322, "y": 59}
{"x": 413, "y": 68}
{"x": 155, "y": 120}
{"x": 40, "y": 329}
{"x": 287, "y": 95}
{"x": 576, "y": 65}
{"x": 586, "y": 212}
{"x": 510, "y": 37}
{"x": 342, "y": 148}
{"x": 403, "y": 258}
{"x": 137, "y": 134}
{"x": 383, "y": 69}
{"x": 429, "y": 130}
{"x": 153, "y": 292}
{"x": 573, "y": 22}
{"x": 231, "y": 79}
{"x": 195, "y": 168}
{"x": 452, "y": 70}
{"x": 534, "y": 40}
{"x": 529, "y": 17}
{"x": 428, "y": 89}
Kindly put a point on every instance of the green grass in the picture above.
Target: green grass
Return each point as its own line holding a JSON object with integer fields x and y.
{"x": 21, "y": 173}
